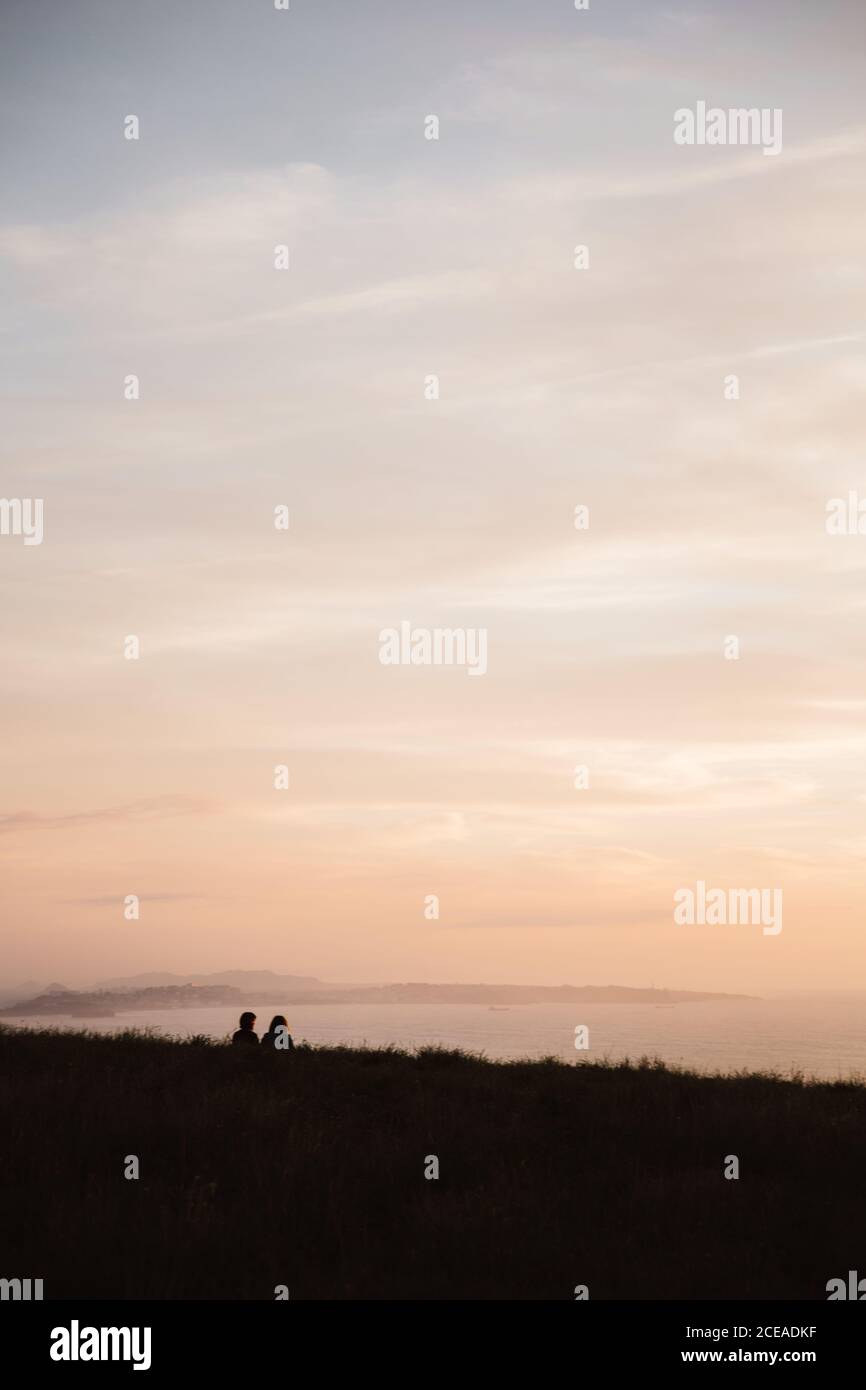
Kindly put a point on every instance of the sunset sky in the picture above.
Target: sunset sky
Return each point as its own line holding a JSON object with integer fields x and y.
{"x": 558, "y": 387}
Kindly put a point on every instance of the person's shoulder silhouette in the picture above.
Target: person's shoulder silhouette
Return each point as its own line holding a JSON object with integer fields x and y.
{"x": 278, "y": 1038}
{"x": 245, "y": 1036}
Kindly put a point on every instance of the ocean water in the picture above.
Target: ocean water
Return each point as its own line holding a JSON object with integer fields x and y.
{"x": 822, "y": 1038}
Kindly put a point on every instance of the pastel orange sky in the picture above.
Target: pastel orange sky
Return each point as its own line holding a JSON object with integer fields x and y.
{"x": 558, "y": 387}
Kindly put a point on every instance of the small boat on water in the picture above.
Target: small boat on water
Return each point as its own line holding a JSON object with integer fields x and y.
{"x": 499, "y": 1008}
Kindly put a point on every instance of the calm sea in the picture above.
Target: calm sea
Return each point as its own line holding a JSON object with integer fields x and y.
{"x": 819, "y": 1037}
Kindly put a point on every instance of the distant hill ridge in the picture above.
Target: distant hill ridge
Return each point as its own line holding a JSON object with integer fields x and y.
{"x": 238, "y": 988}
{"x": 238, "y": 979}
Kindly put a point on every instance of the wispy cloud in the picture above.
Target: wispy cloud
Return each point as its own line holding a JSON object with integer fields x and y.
{"x": 153, "y": 809}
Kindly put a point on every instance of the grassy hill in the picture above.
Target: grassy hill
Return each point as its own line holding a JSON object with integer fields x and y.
{"x": 307, "y": 1169}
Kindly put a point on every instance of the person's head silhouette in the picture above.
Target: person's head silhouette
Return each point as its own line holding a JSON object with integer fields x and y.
{"x": 278, "y": 1036}
{"x": 245, "y": 1033}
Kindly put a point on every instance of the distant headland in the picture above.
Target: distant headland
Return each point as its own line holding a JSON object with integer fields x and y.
{"x": 237, "y": 988}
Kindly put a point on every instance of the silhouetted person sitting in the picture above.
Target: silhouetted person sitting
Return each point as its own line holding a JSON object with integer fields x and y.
{"x": 245, "y": 1037}
{"x": 278, "y": 1038}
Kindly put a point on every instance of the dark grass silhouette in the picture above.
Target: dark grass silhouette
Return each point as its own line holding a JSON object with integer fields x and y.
{"x": 306, "y": 1169}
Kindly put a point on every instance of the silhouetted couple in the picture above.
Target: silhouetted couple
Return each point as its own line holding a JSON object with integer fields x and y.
{"x": 276, "y": 1039}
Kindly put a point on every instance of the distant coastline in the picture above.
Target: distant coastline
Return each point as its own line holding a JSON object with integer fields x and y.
{"x": 105, "y": 1002}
